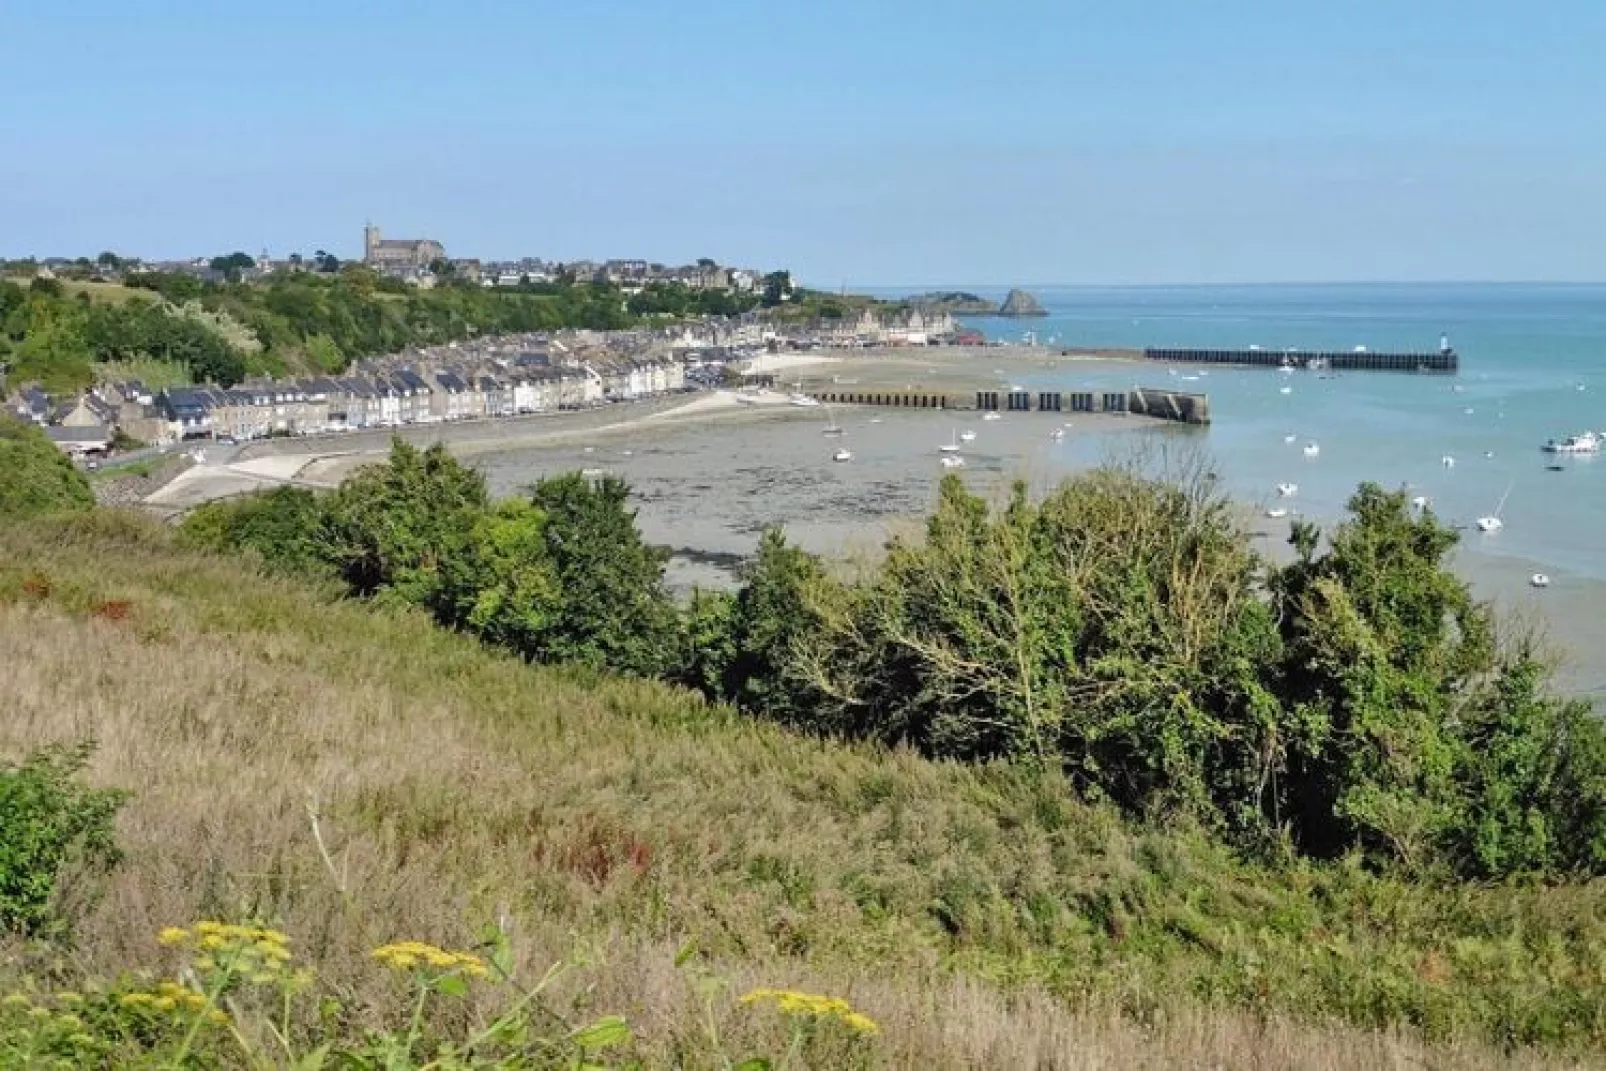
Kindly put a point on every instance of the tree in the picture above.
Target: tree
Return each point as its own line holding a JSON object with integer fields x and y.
{"x": 775, "y": 611}
{"x": 39, "y": 479}
{"x": 1414, "y": 734}
{"x": 615, "y": 613}
{"x": 394, "y": 530}
{"x": 110, "y": 260}
{"x": 233, "y": 267}
{"x": 707, "y": 263}
{"x": 777, "y": 288}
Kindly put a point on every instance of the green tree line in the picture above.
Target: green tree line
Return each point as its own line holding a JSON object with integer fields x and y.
{"x": 1120, "y": 629}
{"x": 301, "y": 321}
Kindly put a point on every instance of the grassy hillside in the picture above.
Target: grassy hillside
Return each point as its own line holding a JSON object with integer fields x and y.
{"x": 356, "y": 777}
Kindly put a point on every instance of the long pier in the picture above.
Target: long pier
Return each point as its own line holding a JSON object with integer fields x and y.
{"x": 1441, "y": 362}
{"x": 1179, "y": 406}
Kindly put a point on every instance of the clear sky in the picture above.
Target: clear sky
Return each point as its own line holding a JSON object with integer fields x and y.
{"x": 857, "y": 141}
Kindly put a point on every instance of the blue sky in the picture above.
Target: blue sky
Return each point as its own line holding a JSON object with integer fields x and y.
{"x": 862, "y": 142}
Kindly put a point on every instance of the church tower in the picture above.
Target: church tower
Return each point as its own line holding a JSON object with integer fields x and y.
{"x": 370, "y": 242}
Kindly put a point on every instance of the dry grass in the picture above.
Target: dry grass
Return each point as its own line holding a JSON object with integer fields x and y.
{"x": 454, "y": 787}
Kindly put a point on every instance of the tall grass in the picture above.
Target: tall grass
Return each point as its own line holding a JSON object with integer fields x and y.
{"x": 355, "y": 776}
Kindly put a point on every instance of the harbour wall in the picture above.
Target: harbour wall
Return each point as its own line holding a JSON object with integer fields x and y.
{"x": 1161, "y": 404}
{"x": 1442, "y": 362}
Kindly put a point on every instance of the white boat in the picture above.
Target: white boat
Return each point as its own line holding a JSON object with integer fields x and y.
{"x": 1289, "y": 439}
{"x": 1288, "y": 490}
{"x": 1311, "y": 450}
{"x": 992, "y": 416}
{"x": 950, "y": 447}
{"x": 1057, "y": 434}
{"x": 1539, "y": 580}
{"x": 1285, "y": 390}
{"x": 831, "y": 426}
{"x": 1586, "y": 442}
{"x": 967, "y": 436}
{"x": 842, "y": 455}
{"x": 875, "y": 420}
{"x": 1277, "y": 513}
{"x": 952, "y": 461}
{"x": 802, "y": 400}
{"x": 1447, "y": 461}
{"x": 1493, "y": 523}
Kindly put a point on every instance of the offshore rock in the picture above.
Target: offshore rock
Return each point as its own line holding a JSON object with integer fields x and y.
{"x": 1020, "y": 303}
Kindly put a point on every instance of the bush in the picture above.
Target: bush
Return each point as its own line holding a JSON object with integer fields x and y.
{"x": 52, "y": 827}
{"x": 283, "y": 525}
{"x": 39, "y": 479}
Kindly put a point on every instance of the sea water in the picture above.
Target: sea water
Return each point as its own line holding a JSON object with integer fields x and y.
{"x": 1533, "y": 367}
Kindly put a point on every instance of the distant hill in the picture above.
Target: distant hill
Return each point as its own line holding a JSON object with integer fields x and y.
{"x": 959, "y": 302}
{"x": 964, "y": 303}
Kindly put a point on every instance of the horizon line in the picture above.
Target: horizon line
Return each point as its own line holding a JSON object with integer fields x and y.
{"x": 1262, "y": 284}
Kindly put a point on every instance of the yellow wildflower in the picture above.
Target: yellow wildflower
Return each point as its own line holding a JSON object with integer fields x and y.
{"x": 405, "y": 955}
{"x": 208, "y": 928}
{"x": 133, "y": 1000}
{"x": 39, "y": 1013}
{"x": 213, "y": 941}
{"x": 173, "y": 935}
{"x": 69, "y": 997}
{"x": 15, "y": 1000}
{"x": 164, "y": 1004}
{"x": 812, "y": 1005}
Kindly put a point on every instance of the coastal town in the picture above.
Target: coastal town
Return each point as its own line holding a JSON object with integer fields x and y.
{"x": 478, "y": 378}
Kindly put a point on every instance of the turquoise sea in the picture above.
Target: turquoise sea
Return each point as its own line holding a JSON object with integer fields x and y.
{"x": 1533, "y": 367}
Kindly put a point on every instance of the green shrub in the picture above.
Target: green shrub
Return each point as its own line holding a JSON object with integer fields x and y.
{"x": 283, "y": 525}
{"x": 39, "y": 479}
{"x": 52, "y": 827}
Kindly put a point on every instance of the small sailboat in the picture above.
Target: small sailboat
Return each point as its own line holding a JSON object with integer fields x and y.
{"x": 1277, "y": 513}
{"x": 1288, "y": 490}
{"x": 967, "y": 436}
{"x": 842, "y": 455}
{"x": 1311, "y": 450}
{"x": 992, "y": 416}
{"x": 1447, "y": 461}
{"x": 1285, "y": 390}
{"x": 1290, "y": 439}
{"x": 952, "y": 461}
{"x": 1057, "y": 434}
{"x": 950, "y": 447}
{"x": 1540, "y": 580}
{"x": 831, "y": 426}
{"x": 1493, "y": 523}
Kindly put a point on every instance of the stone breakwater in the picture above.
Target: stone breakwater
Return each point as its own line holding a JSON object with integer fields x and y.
{"x": 133, "y": 488}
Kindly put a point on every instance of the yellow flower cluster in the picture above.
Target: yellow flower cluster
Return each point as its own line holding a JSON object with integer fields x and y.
{"x": 406, "y": 955}
{"x": 171, "y": 997}
{"x": 251, "y": 952}
{"x": 812, "y": 1005}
